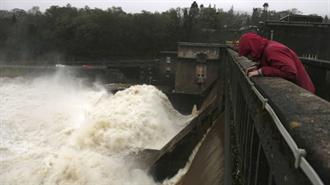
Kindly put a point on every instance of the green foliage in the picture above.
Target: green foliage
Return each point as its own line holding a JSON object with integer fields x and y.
{"x": 95, "y": 34}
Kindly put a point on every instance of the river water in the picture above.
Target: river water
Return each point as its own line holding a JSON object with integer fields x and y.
{"x": 54, "y": 129}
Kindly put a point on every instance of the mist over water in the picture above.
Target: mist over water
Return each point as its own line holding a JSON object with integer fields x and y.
{"x": 56, "y": 130}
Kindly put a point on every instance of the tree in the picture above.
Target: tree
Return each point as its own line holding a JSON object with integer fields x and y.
{"x": 194, "y": 10}
{"x": 92, "y": 34}
{"x": 34, "y": 10}
{"x": 295, "y": 11}
{"x": 248, "y": 21}
{"x": 256, "y": 16}
{"x": 231, "y": 10}
{"x": 265, "y": 5}
{"x": 264, "y": 14}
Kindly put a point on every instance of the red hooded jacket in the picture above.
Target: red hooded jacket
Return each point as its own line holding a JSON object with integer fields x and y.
{"x": 275, "y": 59}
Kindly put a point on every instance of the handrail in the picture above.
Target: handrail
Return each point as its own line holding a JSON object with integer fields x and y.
{"x": 316, "y": 62}
{"x": 299, "y": 153}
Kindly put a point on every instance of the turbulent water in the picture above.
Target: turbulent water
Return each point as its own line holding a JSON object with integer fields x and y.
{"x": 55, "y": 130}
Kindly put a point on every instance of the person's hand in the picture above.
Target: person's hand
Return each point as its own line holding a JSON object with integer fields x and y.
{"x": 251, "y": 68}
{"x": 253, "y": 73}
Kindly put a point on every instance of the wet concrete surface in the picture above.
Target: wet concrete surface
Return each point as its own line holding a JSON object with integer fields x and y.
{"x": 207, "y": 167}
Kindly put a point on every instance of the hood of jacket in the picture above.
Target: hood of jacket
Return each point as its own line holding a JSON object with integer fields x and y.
{"x": 253, "y": 44}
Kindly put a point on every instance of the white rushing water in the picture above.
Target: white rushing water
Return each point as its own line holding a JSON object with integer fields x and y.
{"x": 55, "y": 130}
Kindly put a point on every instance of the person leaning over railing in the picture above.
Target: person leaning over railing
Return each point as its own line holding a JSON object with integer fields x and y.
{"x": 273, "y": 59}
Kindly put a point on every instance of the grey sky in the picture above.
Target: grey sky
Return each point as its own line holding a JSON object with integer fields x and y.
{"x": 321, "y": 7}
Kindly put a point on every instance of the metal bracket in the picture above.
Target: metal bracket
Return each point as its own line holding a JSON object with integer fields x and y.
{"x": 263, "y": 100}
{"x": 299, "y": 154}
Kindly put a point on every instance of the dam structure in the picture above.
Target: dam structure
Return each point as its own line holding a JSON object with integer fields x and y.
{"x": 223, "y": 128}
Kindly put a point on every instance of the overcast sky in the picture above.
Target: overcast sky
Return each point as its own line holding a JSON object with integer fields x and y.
{"x": 320, "y": 7}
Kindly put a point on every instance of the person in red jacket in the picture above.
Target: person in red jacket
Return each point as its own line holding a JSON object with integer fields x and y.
{"x": 274, "y": 59}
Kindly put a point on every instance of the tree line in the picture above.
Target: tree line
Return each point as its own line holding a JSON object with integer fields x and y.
{"x": 71, "y": 34}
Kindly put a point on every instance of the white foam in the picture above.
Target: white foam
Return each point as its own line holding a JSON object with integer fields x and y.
{"x": 54, "y": 130}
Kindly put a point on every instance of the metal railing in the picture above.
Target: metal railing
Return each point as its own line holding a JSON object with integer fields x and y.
{"x": 258, "y": 148}
{"x": 319, "y": 70}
